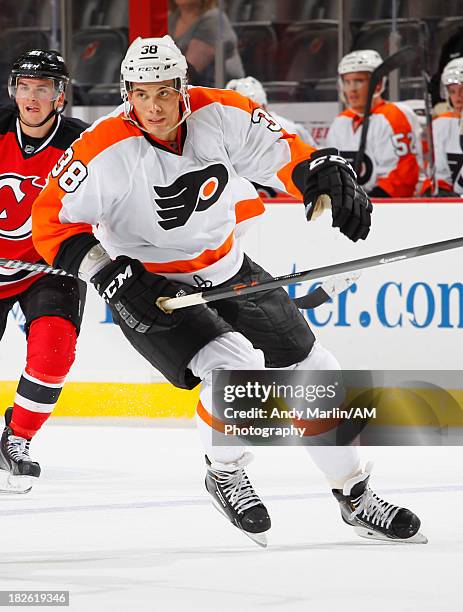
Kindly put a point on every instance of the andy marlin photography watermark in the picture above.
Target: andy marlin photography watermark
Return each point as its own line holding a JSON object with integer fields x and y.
{"x": 281, "y": 403}
{"x": 281, "y": 407}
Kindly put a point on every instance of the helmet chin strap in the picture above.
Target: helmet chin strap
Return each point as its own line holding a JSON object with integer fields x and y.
{"x": 53, "y": 113}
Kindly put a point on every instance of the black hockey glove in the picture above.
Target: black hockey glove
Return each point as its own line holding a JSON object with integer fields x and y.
{"x": 327, "y": 173}
{"x": 132, "y": 291}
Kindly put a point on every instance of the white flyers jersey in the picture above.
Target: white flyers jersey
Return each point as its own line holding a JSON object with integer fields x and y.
{"x": 294, "y": 128}
{"x": 174, "y": 209}
{"x": 390, "y": 161}
{"x": 448, "y": 153}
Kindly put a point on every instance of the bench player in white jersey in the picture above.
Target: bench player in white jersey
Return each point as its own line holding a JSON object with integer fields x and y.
{"x": 446, "y": 134}
{"x": 167, "y": 178}
{"x": 390, "y": 167}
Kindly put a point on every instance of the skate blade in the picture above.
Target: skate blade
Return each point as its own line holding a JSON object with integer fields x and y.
{"x": 371, "y": 534}
{"x": 15, "y": 484}
{"x": 258, "y": 538}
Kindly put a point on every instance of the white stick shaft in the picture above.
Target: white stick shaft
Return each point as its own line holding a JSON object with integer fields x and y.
{"x": 183, "y": 301}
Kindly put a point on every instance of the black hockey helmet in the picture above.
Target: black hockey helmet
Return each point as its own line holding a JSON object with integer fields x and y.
{"x": 39, "y": 64}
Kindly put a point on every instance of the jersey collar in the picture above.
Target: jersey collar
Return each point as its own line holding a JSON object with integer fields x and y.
{"x": 165, "y": 145}
{"x": 44, "y": 144}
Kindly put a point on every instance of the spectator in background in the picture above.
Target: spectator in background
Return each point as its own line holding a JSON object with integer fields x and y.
{"x": 390, "y": 167}
{"x": 195, "y": 26}
{"x": 252, "y": 88}
{"x": 446, "y": 132}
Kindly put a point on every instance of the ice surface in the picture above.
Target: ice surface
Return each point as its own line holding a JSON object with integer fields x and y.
{"x": 120, "y": 518}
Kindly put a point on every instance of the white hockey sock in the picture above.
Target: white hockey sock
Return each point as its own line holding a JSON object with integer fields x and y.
{"x": 231, "y": 351}
{"x": 338, "y": 463}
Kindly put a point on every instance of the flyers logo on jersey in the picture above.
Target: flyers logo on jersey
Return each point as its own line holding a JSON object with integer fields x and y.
{"x": 17, "y": 194}
{"x": 366, "y": 169}
{"x": 192, "y": 192}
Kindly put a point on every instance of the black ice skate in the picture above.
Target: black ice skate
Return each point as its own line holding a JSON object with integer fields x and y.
{"x": 234, "y": 496}
{"x": 17, "y": 471}
{"x": 374, "y": 518}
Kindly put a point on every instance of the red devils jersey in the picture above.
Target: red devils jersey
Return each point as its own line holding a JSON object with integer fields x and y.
{"x": 23, "y": 172}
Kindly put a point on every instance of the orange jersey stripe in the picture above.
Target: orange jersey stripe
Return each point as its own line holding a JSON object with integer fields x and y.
{"x": 210, "y": 420}
{"x": 207, "y": 257}
{"x": 449, "y": 115}
{"x": 246, "y": 209}
{"x": 300, "y": 151}
{"x": 349, "y": 112}
{"x": 397, "y": 118}
{"x": 203, "y": 96}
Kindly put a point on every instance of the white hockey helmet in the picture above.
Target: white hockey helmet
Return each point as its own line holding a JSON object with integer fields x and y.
{"x": 151, "y": 60}
{"x": 249, "y": 87}
{"x": 363, "y": 60}
{"x": 451, "y": 75}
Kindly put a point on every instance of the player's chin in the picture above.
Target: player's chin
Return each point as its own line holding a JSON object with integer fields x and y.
{"x": 158, "y": 130}
{"x": 32, "y": 117}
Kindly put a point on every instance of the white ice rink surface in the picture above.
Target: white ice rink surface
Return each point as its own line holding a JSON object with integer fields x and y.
{"x": 120, "y": 518}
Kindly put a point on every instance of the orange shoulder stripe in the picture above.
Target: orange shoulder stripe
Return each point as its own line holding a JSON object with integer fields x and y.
{"x": 300, "y": 151}
{"x": 105, "y": 134}
{"x": 203, "y": 96}
{"x": 348, "y": 112}
{"x": 448, "y": 115}
{"x": 398, "y": 120}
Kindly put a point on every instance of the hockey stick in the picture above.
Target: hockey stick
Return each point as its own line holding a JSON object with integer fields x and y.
{"x": 431, "y": 169}
{"x": 220, "y": 293}
{"x": 311, "y": 300}
{"x": 394, "y": 61}
{"x": 31, "y": 267}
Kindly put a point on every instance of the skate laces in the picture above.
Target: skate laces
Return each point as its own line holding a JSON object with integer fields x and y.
{"x": 374, "y": 509}
{"x": 236, "y": 488}
{"x": 18, "y": 448}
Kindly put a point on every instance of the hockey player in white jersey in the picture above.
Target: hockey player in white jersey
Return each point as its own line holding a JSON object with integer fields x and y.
{"x": 167, "y": 179}
{"x": 252, "y": 88}
{"x": 446, "y": 134}
{"x": 390, "y": 167}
